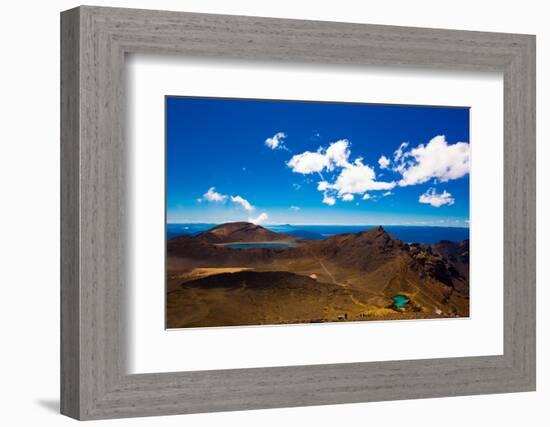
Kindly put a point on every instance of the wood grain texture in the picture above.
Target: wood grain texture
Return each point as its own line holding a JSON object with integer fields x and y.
{"x": 70, "y": 297}
{"x": 94, "y": 382}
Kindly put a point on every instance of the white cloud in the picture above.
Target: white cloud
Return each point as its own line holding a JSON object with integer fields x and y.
{"x": 294, "y": 208}
{"x": 366, "y": 196}
{"x": 436, "y": 160}
{"x": 383, "y": 162}
{"x": 351, "y": 177}
{"x": 259, "y": 219}
{"x": 347, "y": 197}
{"x": 431, "y": 197}
{"x": 397, "y": 154}
{"x": 358, "y": 179}
{"x": 329, "y": 200}
{"x": 308, "y": 162}
{"x": 276, "y": 141}
{"x": 323, "y": 185}
{"x": 338, "y": 153}
{"x": 387, "y": 193}
{"x": 243, "y": 202}
{"x": 213, "y": 196}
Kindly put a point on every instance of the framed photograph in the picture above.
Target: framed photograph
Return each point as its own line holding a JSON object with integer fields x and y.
{"x": 262, "y": 213}
{"x": 262, "y": 230}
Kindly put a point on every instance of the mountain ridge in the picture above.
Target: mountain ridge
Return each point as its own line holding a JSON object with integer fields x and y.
{"x": 241, "y": 231}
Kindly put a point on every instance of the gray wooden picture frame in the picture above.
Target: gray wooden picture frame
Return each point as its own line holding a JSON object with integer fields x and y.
{"x": 94, "y": 381}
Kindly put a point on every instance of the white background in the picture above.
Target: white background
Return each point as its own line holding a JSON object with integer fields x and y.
{"x": 29, "y": 218}
{"x": 153, "y": 349}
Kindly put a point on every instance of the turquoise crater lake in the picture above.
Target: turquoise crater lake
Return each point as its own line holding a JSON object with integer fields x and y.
{"x": 259, "y": 245}
{"x": 400, "y": 301}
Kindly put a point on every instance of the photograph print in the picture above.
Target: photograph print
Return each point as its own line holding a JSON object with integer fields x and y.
{"x": 300, "y": 212}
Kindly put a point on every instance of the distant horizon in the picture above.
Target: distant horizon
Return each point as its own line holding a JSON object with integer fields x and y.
{"x": 322, "y": 225}
{"x": 420, "y": 233}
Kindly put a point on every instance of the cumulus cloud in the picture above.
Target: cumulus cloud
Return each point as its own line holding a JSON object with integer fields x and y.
{"x": 276, "y": 141}
{"x": 308, "y": 162}
{"x": 366, "y": 196}
{"x": 242, "y": 202}
{"x": 387, "y": 193}
{"x": 431, "y": 197}
{"x": 435, "y": 160}
{"x": 351, "y": 177}
{"x": 260, "y": 219}
{"x": 329, "y": 200}
{"x": 383, "y": 162}
{"x": 358, "y": 179}
{"x": 323, "y": 185}
{"x": 213, "y": 196}
{"x": 336, "y": 155}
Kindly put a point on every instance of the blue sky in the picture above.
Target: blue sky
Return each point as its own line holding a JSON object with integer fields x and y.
{"x": 278, "y": 162}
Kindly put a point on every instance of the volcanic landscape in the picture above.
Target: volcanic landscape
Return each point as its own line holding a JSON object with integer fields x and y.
{"x": 244, "y": 274}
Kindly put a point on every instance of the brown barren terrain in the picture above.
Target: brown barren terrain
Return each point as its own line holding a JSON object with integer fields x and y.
{"x": 346, "y": 277}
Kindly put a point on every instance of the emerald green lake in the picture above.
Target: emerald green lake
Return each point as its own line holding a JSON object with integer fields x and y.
{"x": 400, "y": 300}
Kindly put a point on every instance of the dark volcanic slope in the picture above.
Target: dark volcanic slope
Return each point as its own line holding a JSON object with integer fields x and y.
{"x": 375, "y": 259}
{"x": 457, "y": 254}
{"x": 270, "y": 281}
{"x": 251, "y": 298}
{"x": 241, "y": 232}
{"x": 364, "y": 251}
